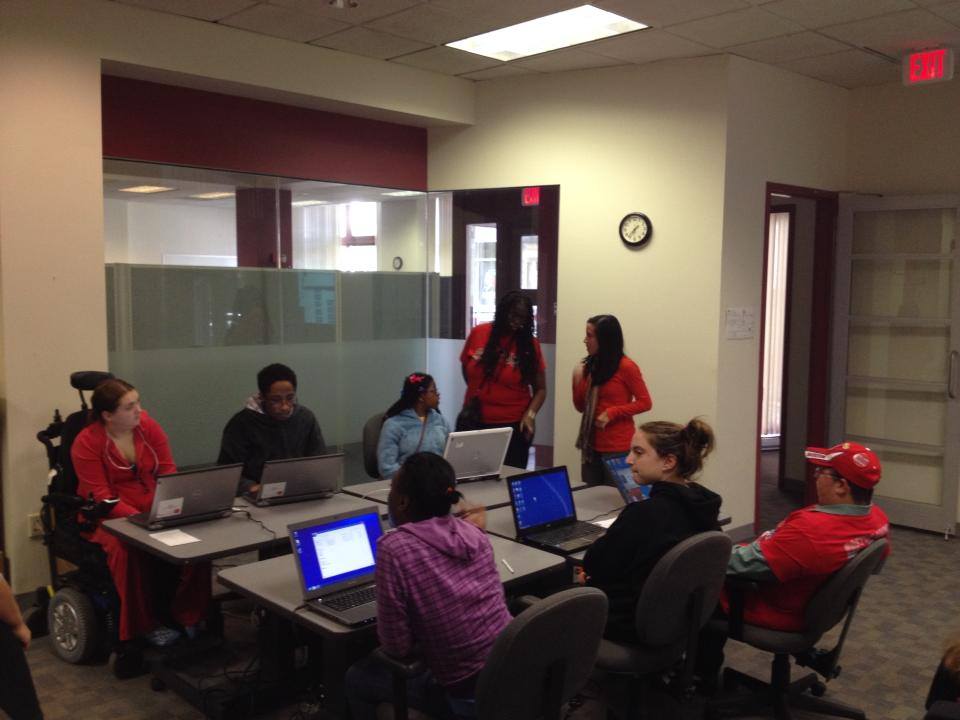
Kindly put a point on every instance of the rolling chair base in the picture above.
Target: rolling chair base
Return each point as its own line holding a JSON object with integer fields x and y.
{"x": 779, "y": 694}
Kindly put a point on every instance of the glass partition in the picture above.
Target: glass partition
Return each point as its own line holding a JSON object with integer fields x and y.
{"x": 212, "y": 275}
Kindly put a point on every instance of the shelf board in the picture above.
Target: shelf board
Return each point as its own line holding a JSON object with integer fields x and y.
{"x": 880, "y": 321}
{"x": 925, "y": 386}
{"x": 908, "y": 447}
{"x": 937, "y": 257}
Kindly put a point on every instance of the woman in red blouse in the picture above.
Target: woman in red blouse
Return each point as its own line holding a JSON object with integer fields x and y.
{"x": 505, "y": 370}
{"x": 117, "y": 458}
{"x": 608, "y": 389}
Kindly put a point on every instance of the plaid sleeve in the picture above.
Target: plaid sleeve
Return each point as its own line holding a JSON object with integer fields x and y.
{"x": 393, "y": 627}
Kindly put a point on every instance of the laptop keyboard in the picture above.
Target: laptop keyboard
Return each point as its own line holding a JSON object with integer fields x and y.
{"x": 351, "y": 598}
{"x": 566, "y": 533}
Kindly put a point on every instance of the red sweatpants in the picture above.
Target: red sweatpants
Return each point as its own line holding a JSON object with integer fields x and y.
{"x": 132, "y": 575}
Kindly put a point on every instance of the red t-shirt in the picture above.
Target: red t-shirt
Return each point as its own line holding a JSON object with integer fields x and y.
{"x": 505, "y": 396}
{"x": 803, "y": 551}
{"x": 621, "y": 397}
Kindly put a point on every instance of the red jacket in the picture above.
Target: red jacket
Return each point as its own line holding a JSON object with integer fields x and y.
{"x": 104, "y": 472}
{"x": 621, "y": 397}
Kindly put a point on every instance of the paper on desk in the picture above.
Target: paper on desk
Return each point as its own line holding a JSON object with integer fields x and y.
{"x": 606, "y": 522}
{"x": 174, "y": 537}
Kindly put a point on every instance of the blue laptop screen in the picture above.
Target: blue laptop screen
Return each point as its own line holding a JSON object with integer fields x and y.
{"x": 331, "y": 552}
{"x": 621, "y": 475}
{"x": 541, "y": 498}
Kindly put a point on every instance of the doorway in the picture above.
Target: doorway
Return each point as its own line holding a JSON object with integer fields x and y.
{"x": 794, "y": 362}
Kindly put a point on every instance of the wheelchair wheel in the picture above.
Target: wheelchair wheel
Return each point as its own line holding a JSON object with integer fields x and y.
{"x": 73, "y": 625}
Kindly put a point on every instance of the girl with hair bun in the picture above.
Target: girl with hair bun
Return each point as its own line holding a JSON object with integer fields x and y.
{"x": 413, "y": 424}
{"x": 439, "y": 597}
{"x": 666, "y": 456}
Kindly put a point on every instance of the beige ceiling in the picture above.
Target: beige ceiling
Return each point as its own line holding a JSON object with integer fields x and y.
{"x": 850, "y": 43}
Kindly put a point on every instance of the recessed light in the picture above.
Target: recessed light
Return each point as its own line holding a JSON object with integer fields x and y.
{"x": 402, "y": 193}
{"x": 308, "y": 203}
{"x": 551, "y": 32}
{"x": 146, "y": 189}
{"x": 212, "y": 195}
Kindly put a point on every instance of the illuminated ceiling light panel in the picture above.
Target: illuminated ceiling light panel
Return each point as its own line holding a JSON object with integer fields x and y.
{"x": 146, "y": 189}
{"x": 308, "y": 203}
{"x": 551, "y": 32}
{"x": 402, "y": 193}
{"x": 212, "y": 195}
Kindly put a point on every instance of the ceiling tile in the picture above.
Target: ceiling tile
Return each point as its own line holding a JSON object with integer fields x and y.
{"x": 897, "y": 33}
{"x": 203, "y": 9}
{"x": 448, "y": 61}
{"x": 659, "y": 13}
{"x": 365, "y": 11}
{"x": 370, "y": 43}
{"x": 283, "y": 23}
{"x": 430, "y": 24}
{"x": 566, "y": 59}
{"x": 789, "y": 47}
{"x": 507, "y": 70}
{"x": 850, "y": 69}
{"x": 503, "y": 13}
{"x": 819, "y": 13}
{"x": 949, "y": 11}
{"x": 647, "y": 46}
{"x": 736, "y": 28}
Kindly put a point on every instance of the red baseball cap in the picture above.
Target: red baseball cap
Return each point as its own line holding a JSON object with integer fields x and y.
{"x": 854, "y": 462}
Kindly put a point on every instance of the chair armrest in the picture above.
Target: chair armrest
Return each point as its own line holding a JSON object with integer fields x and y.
{"x": 943, "y": 710}
{"x": 737, "y": 588}
{"x": 523, "y": 602}
{"x": 407, "y": 667}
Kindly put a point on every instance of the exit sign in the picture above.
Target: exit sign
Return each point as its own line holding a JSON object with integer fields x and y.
{"x": 928, "y": 66}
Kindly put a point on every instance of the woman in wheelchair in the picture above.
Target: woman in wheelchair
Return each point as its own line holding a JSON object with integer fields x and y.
{"x": 117, "y": 458}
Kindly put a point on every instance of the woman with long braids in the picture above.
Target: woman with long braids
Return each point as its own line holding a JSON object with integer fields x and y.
{"x": 608, "y": 389}
{"x": 413, "y": 424}
{"x": 506, "y": 374}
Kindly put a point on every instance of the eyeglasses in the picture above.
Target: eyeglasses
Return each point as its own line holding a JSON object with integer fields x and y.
{"x": 820, "y": 470}
{"x": 290, "y": 399}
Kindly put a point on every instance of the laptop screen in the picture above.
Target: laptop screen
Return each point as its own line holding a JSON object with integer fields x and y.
{"x": 620, "y": 474}
{"x": 335, "y": 551}
{"x": 541, "y": 497}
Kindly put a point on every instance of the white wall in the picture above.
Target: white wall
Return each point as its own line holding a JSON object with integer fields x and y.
{"x": 616, "y": 140}
{"x": 51, "y": 181}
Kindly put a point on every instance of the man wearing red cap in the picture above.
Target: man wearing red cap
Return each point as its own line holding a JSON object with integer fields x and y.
{"x": 793, "y": 560}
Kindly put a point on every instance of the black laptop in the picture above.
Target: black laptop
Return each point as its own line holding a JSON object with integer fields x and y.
{"x": 335, "y": 558}
{"x": 544, "y": 514}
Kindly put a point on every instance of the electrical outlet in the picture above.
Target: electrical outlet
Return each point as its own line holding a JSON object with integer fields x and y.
{"x": 34, "y": 525}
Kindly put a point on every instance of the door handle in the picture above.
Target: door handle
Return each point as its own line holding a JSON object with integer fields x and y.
{"x": 951, "y": 366}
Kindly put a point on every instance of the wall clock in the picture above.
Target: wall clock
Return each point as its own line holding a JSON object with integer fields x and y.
{"x": 636, "y": 229}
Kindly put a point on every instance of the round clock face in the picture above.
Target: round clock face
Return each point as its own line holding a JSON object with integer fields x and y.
{"x": 636, "y": 229}
{"x": 397, "y": 262}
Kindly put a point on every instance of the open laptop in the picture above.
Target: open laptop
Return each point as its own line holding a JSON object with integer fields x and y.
{"x": 544, "y": 514}
{"x": 477, "y": 454}
{"x": 335, "y": 561}
{"x": 619, "y": 474}
{"x": 192, "y": 496}
{"x": 296, "y": 479}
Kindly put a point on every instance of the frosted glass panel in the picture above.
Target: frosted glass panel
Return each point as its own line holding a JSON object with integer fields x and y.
{"x": 906, "y": 476}
{"x": 903, "y": 231}
{"x": 900, "y": 288}
{"x": 907, "y": 416}
{"x": 904, "y": 353}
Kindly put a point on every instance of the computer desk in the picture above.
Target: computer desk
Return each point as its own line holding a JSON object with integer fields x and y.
{"x": 487, "y": 493}
{"x": 274, "y": 585}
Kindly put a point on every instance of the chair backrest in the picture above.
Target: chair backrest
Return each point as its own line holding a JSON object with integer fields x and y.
{"x": 833, "y": 599}
{"x": 371, "y": 437}
{"x": 693, "y": 569}
{"x": 543, "y": 657}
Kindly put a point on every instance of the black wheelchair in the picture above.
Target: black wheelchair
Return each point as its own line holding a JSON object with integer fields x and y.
{"x": 80, "y": 607}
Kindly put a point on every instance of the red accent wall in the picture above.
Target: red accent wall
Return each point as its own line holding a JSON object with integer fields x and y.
{"x": 180, "y": 126}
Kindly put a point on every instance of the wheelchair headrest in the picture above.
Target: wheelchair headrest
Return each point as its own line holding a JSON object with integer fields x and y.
{"x": 88, "y": 379}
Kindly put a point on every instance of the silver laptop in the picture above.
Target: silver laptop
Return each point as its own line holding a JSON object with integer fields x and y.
{"x": 296, "y": 479}
{"x": 477, "y": 454}
{"x": 192, "y": 496}
{"x": 335, "y": 558}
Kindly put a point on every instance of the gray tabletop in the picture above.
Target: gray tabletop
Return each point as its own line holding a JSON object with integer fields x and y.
{"x": 274, "y": 582}
{"x": 589, "y": 502}
{"x": 488, "y": 493}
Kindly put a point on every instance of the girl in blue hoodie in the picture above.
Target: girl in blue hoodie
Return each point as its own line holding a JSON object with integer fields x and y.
{"x": 413, "y": 424}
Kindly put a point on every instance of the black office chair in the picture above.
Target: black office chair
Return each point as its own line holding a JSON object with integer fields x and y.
{"x": 371, "y": 437}
{"x": 835, "y": 601}
{"x": 677, "y": 599}
{"x": 943, "y": 710}
{"x": 539, "y": 661}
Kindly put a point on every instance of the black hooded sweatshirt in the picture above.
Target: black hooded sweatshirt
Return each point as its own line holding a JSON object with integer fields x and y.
{"x": 252, "y": 437}
{"x": 620, "y": 561}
